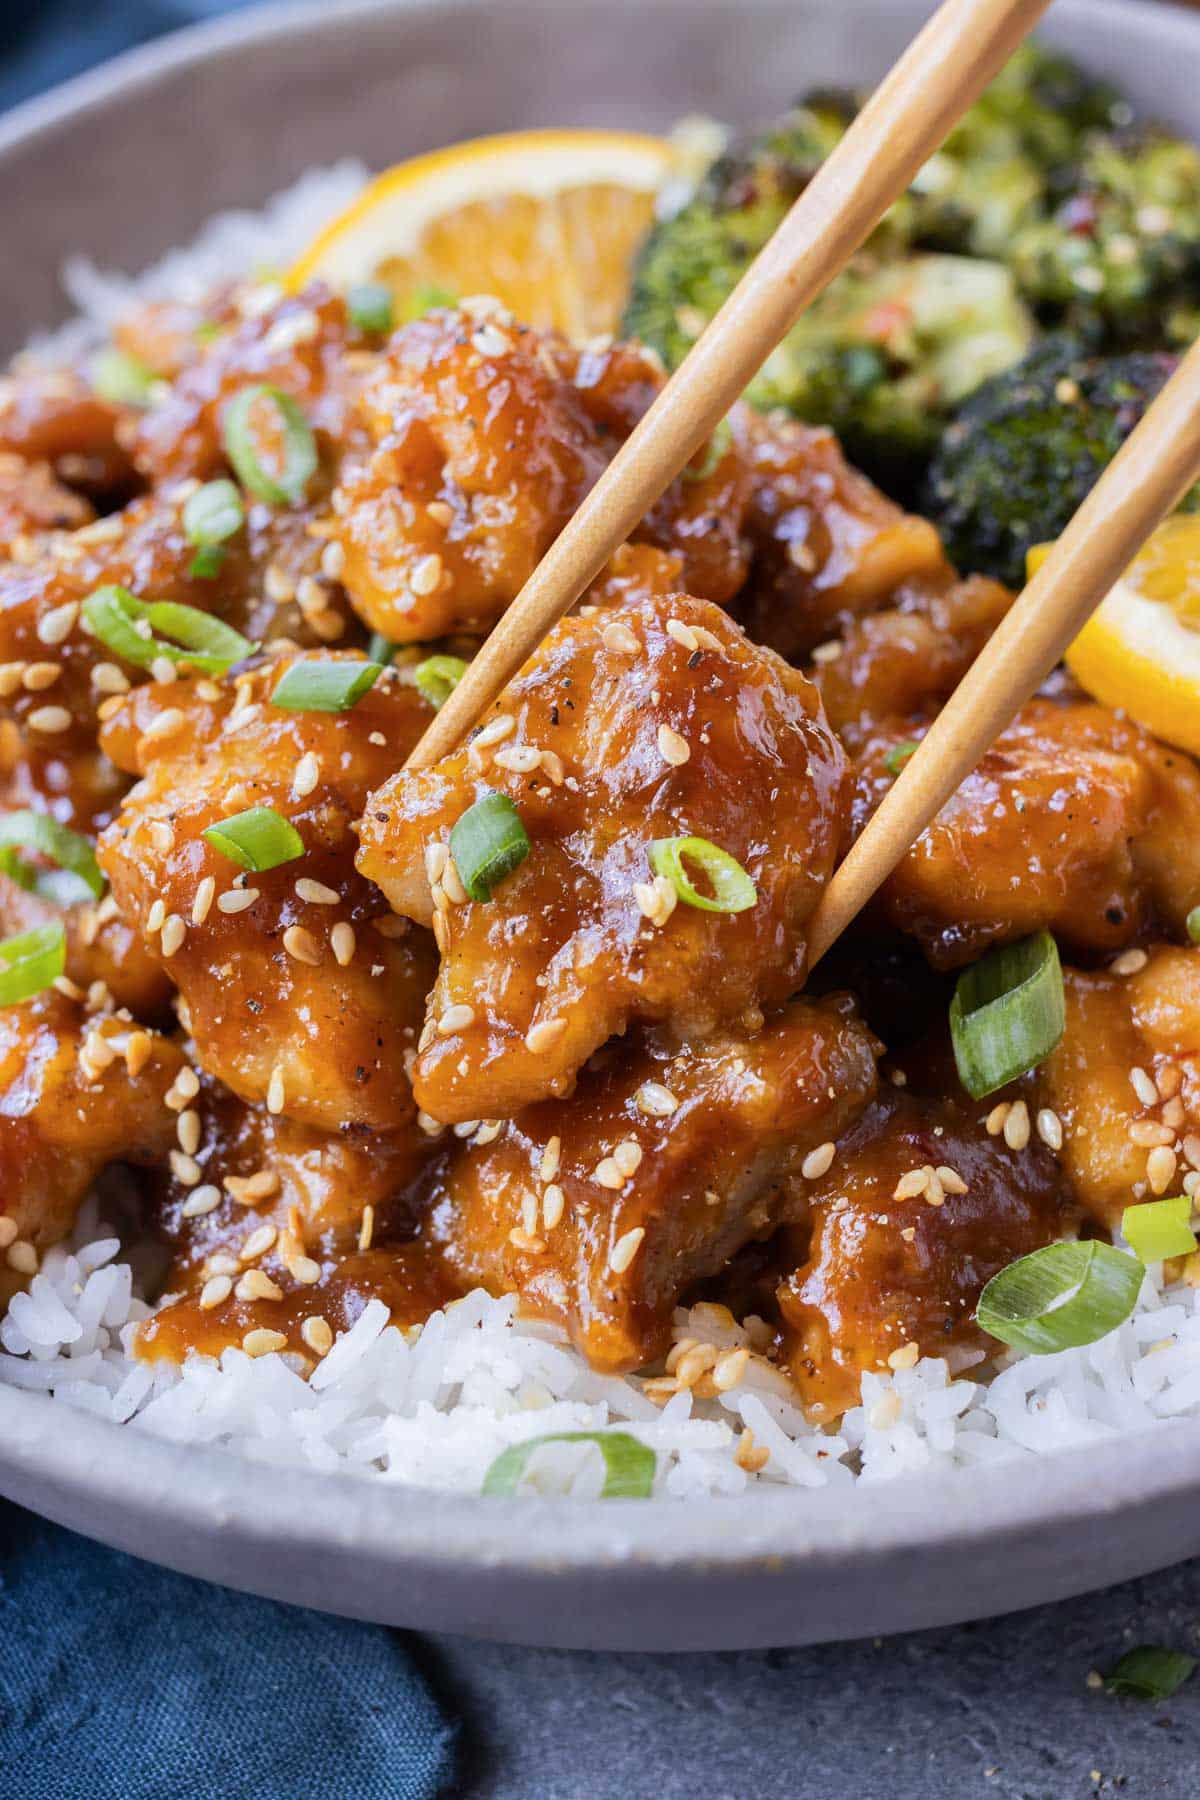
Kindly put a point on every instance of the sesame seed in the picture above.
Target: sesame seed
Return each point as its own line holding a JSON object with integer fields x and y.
{"x": 455, "y": 1018}
{"x": 186, "y": 1084}
{"x": 333, "y": 560}
{"x": 49, "y": 719}
{"x": 185, "y": 1169}
{"x": 342, "y": 943}
{"x": 311, "y": 597}
{"x": 491, "y": 342}
{"x": 494, "y": 731}
{"x": 107, "y": 678}
{"x": 163, "y": 670}
{"x": 256, "y": 1284}
{"x": 203, "y": 900}
{"x": 304, "y": 1270}
{"x": 440, "y": 512}
{"x": 247, "y": 1190}
{"x": 1160, "y": 1169}
{"x": 425, "y": 577}
{"x": 40, "y": 675}
{"x": 173, "y": 933}
{"x": 316, "y": 893}
{"x": 201, "y": 1200}
{"x": 236, "y": 900}
{"x": 165, "y": 723}
{"x": 452, "y": 885}
{"x": 8, "y": 1231}
{"x": 628, "y": 1157}
{"x": 302, "y": 946}
{"x": 261, "y": 1342}
{"x": 625, "y": 1249}
{"x": 544, "y": 1036}
{"x": 551, "y": 1159}
{"x": 1147, "y": 1133}
{"x": 800, "y": 554}
{"x": 748, "y": 1455}
{"x": 909, "y": 1186}
{"x": 139, "y": 1048}
{"x": 214, "y": 1291}
{"x": 906, "y": 1357}
{"x": 553, "y": 1201}
{"x": 307, "y": 775}
{"x": 276, "y": 1095}
{"x": 1130, "y": 962}
{"x": 995, "y": 1119}
{"x": 23, "y": 1257}
{"x": 950, "y": 1179}
{"x": 671, "y": 747}
{"x": 656, "y": 1100}
{"x": 608, "y": 1174}
{"x": 10, "y": 678}
{"x": 827, "y": 652}
{"x": 58, "y": 622}
{"x": 522, "y": 1240}
{"x": 161, "y": 835}
{"x": 1143, "y": 1087}
{"x": 317, "y": 1335}
{"x": 730, "y": 1369}
{"x": 818, "y": 1161}
{"x": 366, "y": 1229}
{"x": 1016, "y": 1126}
{"x": 258, "y": 1243}
{"x": 682, "y": 634}
{"x": 619, "y": 638}
{"x": 519, "y": 759}
{"x": 187, "y": 1130}
{"x": 1049, "y": 1128}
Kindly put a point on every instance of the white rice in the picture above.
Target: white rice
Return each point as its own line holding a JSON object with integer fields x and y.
{"x": 434, "y": 1408}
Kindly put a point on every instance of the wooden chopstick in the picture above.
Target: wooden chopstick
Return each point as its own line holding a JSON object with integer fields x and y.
{"x": 1155, "y": 466}
{"x": 938, "y": 77}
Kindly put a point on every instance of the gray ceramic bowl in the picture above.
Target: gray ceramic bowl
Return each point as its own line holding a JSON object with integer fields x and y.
{"x": 122, "y": 164}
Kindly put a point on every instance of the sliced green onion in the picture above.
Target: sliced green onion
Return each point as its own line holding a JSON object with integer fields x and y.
{"x": 32, "y": 961}
{"x": 324, "y": 686}
{"x": 629, "y": 1465}
{"x": 213, "y": 513}
{"x": 1193, "y": 924}
{"x": 371, "y": 308}
{"x": 1150, "y": 1672}
{"x": 122, "y": 379}
{"x": 898, "y": 755}
{"x": 207, "y": 331}
{"x": 207, "y": 562}
{"x": 438, "y": 676}
{"x": 732, "y": 889}
{"x": 293, "y": 448}
{"x": 258, "y": 839}
{"x": 1060, "y": 1297}
{"x": 380, "y": 649}
{"x": 69, "y": 850}
{"x": 113, "y": 615}
{"x": 425, "y": 298}
{"x": 487, "y": 844}
{"x": 1159, "y": 1228}
{"x": 713, "y": 453}
{"x": 1007, "y": 1014}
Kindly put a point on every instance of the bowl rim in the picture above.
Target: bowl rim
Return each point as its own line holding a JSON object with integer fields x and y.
{"x": 208, "y": 1492}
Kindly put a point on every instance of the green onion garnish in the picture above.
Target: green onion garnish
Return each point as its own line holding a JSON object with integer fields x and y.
{"x": 264, "y": 415}
{"x": 1193, "y": 924}
{"x": 1060, "y": 1297}
{"x": 113, "y": 615}
{"x": 32, "y": 961}
{"x": 438, "y": 676}
{"x": 122, "y": 379}
{"x": 898, "y": 755}
{"x": 69, "y": 850}
{"x": 1150, "y": 1672}
{"x": 380, "y": 649}
{"x": 258, "y": 839}
{"x": 371, "y": 308}
{"x": 1007, "y": 1014}
{"x": 207, "y": 562}
{"x": 425, "y": 297}
{"x": 628, "y": 1464}
{"x": 1159, "y": 1228}
{"x": 213, "y": 513}
{"x": 487, "y": 844}
{"x": 713, "y": 452}
{"x": 733, "y": 890}
{"x": 324, "y": 686}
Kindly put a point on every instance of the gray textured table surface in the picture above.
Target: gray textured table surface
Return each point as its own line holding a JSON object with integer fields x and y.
{"x": 1000, "y": 1710}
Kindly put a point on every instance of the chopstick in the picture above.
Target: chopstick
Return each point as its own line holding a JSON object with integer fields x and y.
{"x": 942, "y": 72}
{"x": 1154, "y": 468}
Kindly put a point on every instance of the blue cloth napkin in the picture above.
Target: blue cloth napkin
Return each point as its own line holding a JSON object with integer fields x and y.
{"x": 119, "y": 1681}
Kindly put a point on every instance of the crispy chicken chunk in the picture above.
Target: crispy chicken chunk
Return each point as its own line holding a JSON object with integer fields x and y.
{"x": 54, "y": 416}
{"x": 664, "y": 722}
{"x": 77, "y": 1092}
{"x": 1125, "y": 1081}
{"x": 32, "y": 501}
{"x": 101, "y": 947}
{"x": 882, "y": 1270}
{"x": 601, "y": 1210}
{"x": 1075, "y": 820}
{"x": 484, "y": 437}
{"x": 293, "y": 994}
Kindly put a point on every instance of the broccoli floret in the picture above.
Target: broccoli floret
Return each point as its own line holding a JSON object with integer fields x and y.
{"x": 1122, "y": 242}
{"x": 1016, "y": 463}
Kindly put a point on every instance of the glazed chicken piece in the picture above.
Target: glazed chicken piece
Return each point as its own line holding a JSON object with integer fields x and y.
{"x": 294, "y": 994}
{"x": 1124, "y": 1080}
{"x": 664, "y": 722}
{"x": 1075, "y": 820}
{"x": 601, "y": 1210}
{"x": 101, "y": 947}
{"x": 886, "y": 1275}
{"x": 169, "y": 336}
{"x": 828, "y": 546}
{"x": 272, "y": 1223}
{"x": 483, "y": 439}
{"x": 33, "y": 501}
{"x": 54, "y": 416}
{"x": 78, "y": 1091}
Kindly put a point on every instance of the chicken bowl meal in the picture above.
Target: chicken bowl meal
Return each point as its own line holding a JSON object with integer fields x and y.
{"x": 482, "y": 1126}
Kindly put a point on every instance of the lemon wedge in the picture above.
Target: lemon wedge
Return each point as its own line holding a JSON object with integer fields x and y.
{"x": 547, "y": 221}
{"x": 1140, "y": 650}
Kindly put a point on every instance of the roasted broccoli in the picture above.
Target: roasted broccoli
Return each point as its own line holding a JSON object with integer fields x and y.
{"x": 1022, "y": 453}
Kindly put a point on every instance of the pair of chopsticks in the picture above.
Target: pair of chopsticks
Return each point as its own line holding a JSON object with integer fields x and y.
{"x": 939, "y": 76}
